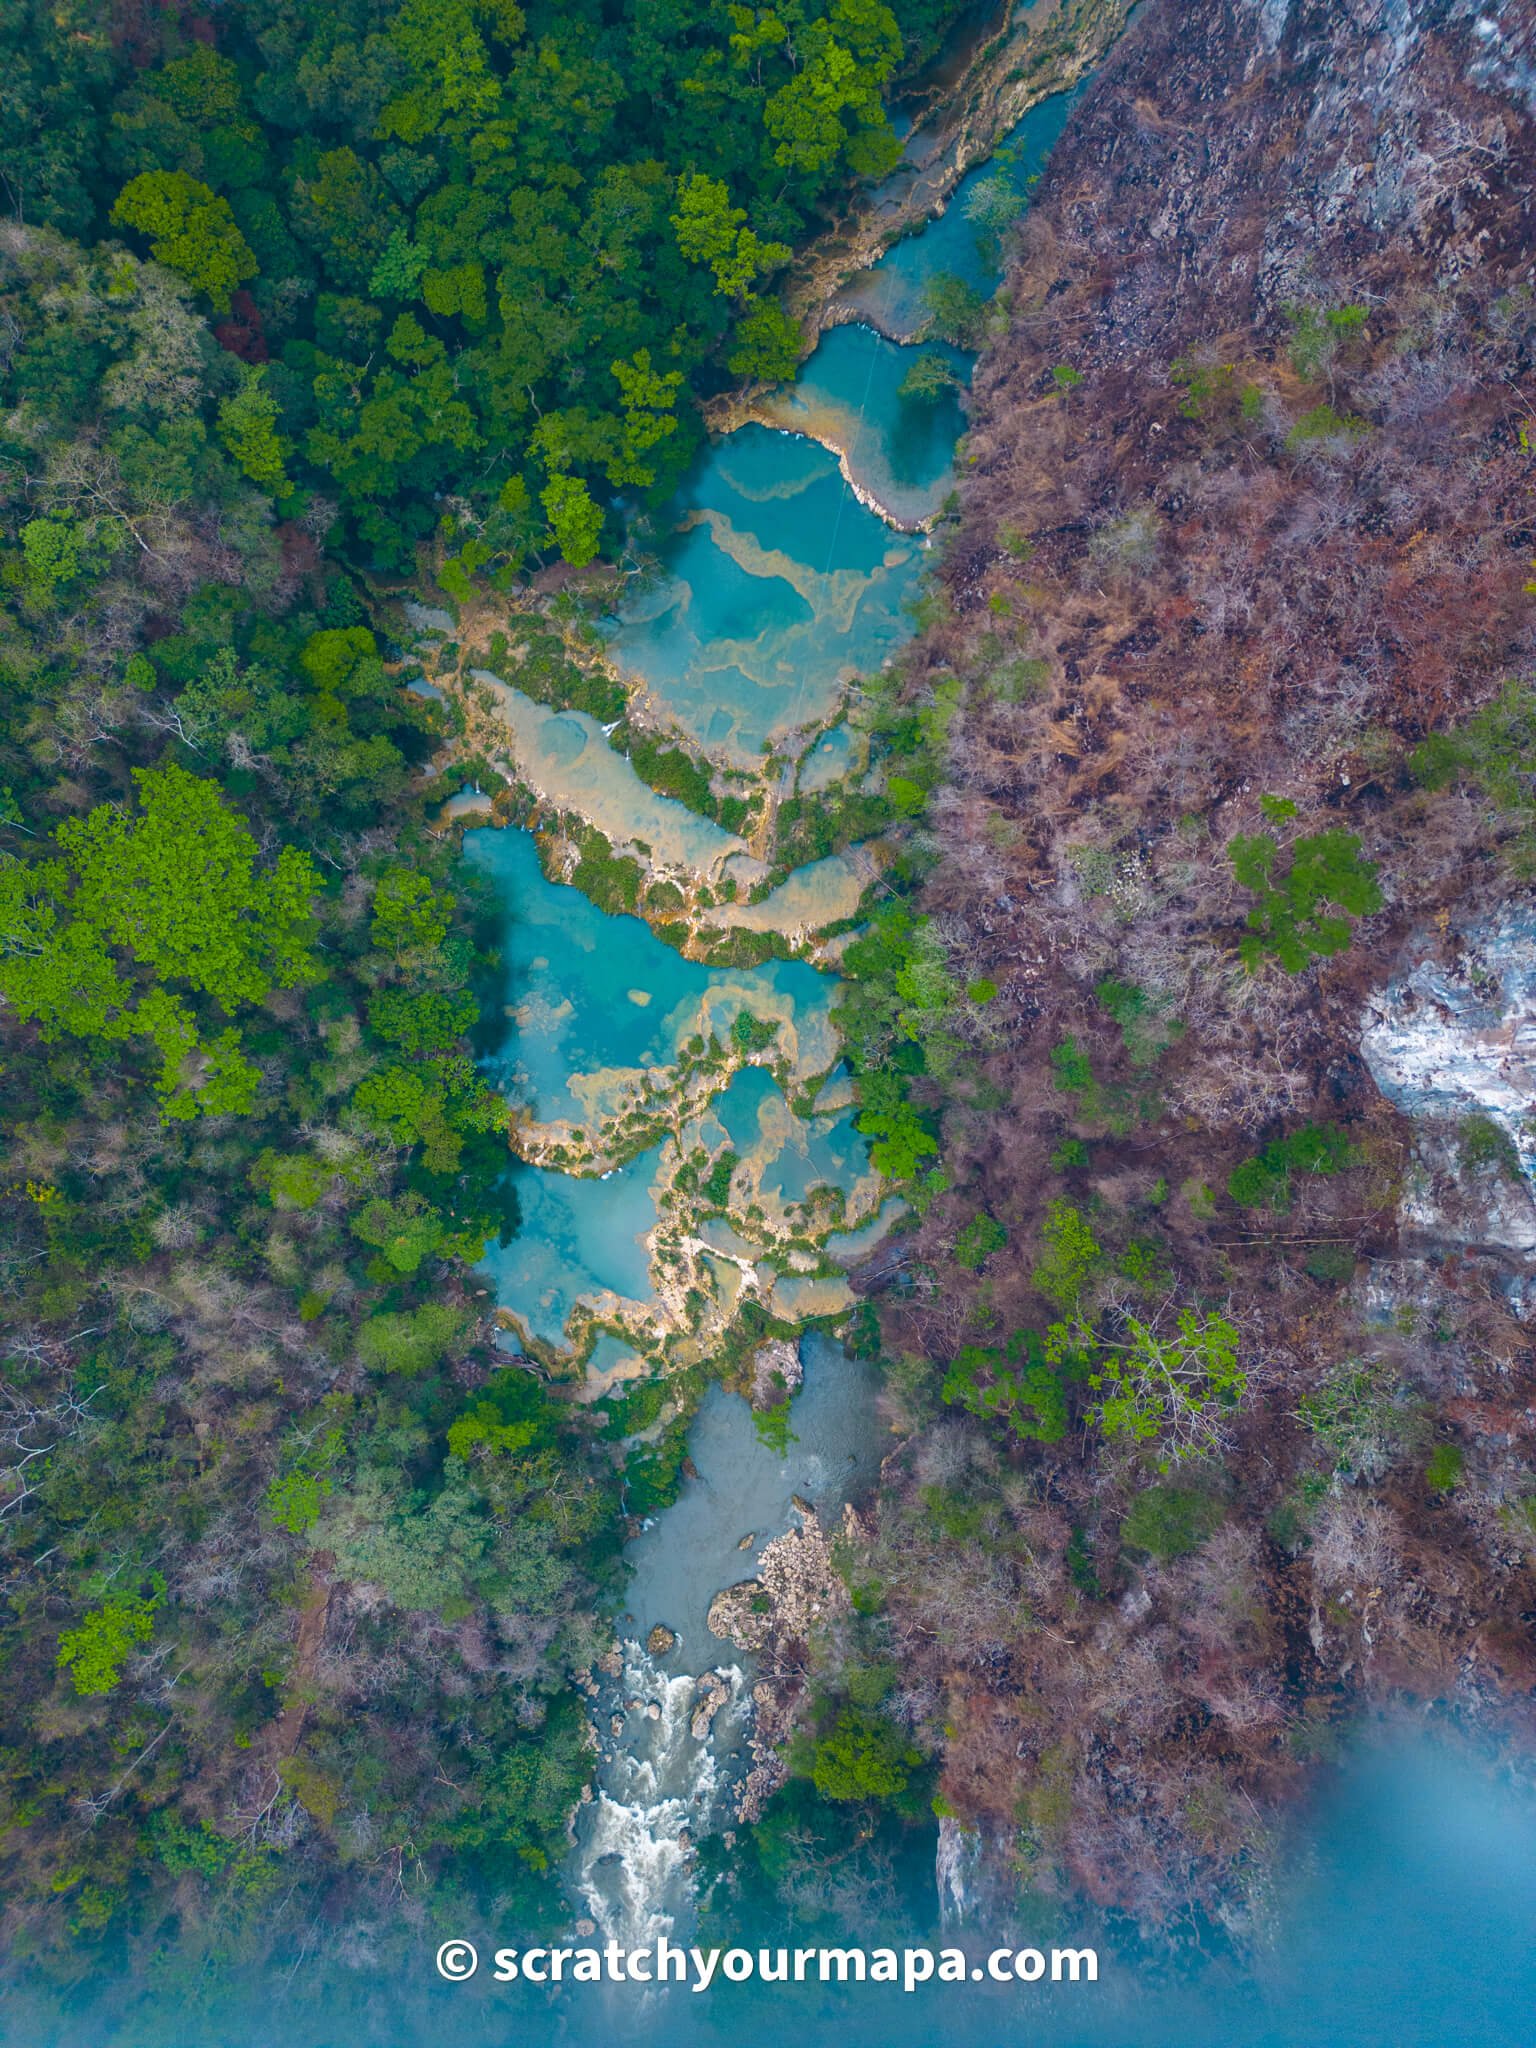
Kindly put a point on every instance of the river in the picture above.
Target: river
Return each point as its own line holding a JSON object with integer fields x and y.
{"x": 787, "y": 567}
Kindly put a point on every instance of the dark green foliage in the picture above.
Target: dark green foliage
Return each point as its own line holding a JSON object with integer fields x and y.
{"x": 957, "y": 311}
{"x": 612, "y": 880}
{"x": 226, "y": 901}
{"x": 1446, "y": 1464}
{"x": 671, "y": 771}
{"x": 976, "y": 1243}
{"x": 1483, "y": 1147}
{"x": 1081, "y": 1568}
{"x": 1071, "y": 1068}
{"x": 1264, "y": 1181}
{"x": 1147, "y": 1025}
{"x": 1292, "y": 921}
{"x": 1331, "y": 1265}
{"x": 1015, "y": 1384}
{"x": 810, "y": 827}
{"x": 1325, "y": 429}
{"x": 753, "y": 1034}
{"x": 484, "y": 251}
{"x": 1170, "y": 1521}
{"x": 653, "y": 1474}
{"x": 930, "y": 378}
{"x": 716, "y": 1189}
{"x": 541, "y": 668}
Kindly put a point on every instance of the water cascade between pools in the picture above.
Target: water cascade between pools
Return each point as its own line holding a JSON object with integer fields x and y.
{"x": 791, "y": 558}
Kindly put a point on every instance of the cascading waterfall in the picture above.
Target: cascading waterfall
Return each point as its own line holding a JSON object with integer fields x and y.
{"x": 954, "y": 1863}
{"x": 775, "y": 570}
{"x": 660, "y": 1786}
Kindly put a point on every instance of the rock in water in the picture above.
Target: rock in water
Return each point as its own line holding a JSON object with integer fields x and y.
{"x": 776, "y": 1373}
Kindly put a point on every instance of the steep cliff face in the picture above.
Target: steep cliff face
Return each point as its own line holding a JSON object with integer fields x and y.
{"x": 1248, "y": 516}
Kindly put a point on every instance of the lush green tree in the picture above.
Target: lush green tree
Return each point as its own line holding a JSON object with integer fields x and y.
{"x": 99, "y": 943}
{"x": 95, "y": 1650}
{"x": 575, "y": 522}
{"x": 863, "y": 1756}
{"x": 766, "y": 344}
{"x": 1291, "y": 921}
{"x": 248, "y": 429}
{"x": 191, "y": 231}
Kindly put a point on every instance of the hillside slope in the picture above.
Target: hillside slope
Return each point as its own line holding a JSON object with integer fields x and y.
{"x": 1215, "y": 1401}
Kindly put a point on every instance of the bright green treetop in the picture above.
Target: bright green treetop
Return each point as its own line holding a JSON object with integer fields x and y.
{"x": 191, "y": 231}
{"x": 94, "y": 945}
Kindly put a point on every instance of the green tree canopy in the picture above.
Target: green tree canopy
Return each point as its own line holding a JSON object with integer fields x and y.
{"x": 147, "y": 910}
{"x": 191, "y": 231}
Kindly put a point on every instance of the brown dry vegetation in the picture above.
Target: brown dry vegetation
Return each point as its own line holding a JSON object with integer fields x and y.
{"x": 1164, "y": 602}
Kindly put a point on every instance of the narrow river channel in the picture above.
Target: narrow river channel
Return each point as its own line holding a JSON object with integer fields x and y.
{"x": 789, "y": 566}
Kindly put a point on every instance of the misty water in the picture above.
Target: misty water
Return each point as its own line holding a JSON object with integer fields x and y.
{"x": 1405, "y": 1917}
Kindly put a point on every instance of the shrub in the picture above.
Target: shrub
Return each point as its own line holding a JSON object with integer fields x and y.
{"x": 1071, "y": 1069}
{"x": 1495, "y": 752}
{"x": 1170, "y": 1521}
{"x": 1326, "y": 430}
{"x": 1290, "y": 921}
{"x": 1017, "y": 1385}
{"x": 1482, "y": 1146}
{"x": 94, "y": 1652}
{"x": 1361, "y": 1418}
{"x": 1071, "y": 1254}
{"x": 716, "y": 1190}
{"x": 982, "y": 1236}
{"x": 1147, "y": 1026}
{"x": 1446, "y": 1464}
{"x": 1264, "y": 1180}
{"x": 753, "y": 1034}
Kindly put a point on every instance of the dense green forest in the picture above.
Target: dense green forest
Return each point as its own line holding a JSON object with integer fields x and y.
{"x": 288, "y": 295}
{"x": 473, "y": 265}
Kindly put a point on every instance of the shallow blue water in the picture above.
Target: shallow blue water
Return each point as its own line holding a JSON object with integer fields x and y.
{"x": 776, "y": 585}
{"x": 796, "y": 1154}
{"x": 576, "y": 1237}
{"x": 592, "y": 992}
